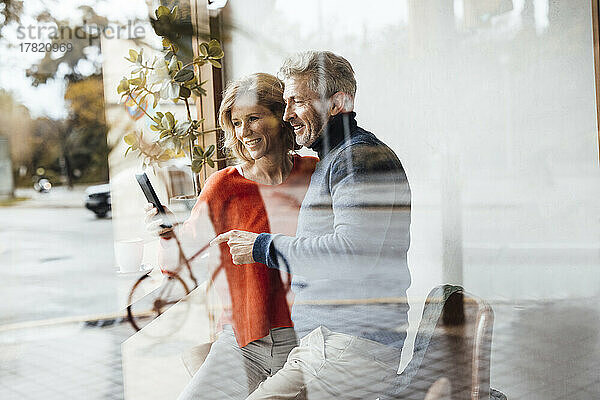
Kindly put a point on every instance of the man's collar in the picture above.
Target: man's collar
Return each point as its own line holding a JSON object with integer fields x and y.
{"x": 338, "y": 129}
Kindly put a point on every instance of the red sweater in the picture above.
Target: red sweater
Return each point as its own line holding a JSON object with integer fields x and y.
{"x": 257, "y": 293}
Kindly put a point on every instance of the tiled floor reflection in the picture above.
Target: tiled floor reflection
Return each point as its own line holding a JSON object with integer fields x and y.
{"x": 548, "y": 351}
{"x": 62, "y": 362}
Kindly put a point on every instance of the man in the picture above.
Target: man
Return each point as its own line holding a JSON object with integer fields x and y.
{"x": 350, "y": 245}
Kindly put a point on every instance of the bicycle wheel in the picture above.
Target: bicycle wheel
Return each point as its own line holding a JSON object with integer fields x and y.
{"x": 141, "y": 312}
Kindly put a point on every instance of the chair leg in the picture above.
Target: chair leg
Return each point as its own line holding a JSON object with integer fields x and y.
{"x": 194, "y": 357}
{"x": 440, "y": 390}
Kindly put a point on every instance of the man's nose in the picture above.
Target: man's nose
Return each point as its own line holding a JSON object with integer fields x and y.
{"x": 288, "y": 114}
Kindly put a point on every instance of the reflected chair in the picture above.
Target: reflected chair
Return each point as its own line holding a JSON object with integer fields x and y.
{"x": 452, "y": 349}
{"x": 195, "y": 357}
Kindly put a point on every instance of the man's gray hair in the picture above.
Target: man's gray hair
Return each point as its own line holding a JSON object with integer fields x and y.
{"x": 326, "y": 72}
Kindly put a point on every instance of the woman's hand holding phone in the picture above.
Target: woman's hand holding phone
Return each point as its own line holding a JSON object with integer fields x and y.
{"x": 154, "y": 222}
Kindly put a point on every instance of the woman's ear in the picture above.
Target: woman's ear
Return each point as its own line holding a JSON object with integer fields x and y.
{"x": 340, "y": 102}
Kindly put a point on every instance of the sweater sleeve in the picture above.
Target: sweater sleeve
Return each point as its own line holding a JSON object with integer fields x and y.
{"x": 367, "y": 185}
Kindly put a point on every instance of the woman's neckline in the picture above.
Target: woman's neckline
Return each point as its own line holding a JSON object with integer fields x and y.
{"x": 238, "y": 169}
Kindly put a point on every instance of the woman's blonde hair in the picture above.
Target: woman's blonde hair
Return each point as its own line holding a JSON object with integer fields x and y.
{"x": 262, "y": 89}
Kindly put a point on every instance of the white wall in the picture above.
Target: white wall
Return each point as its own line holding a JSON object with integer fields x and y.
{"x": 494, "y": 122}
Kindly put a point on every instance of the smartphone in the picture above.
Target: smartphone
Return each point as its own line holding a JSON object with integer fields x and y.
{"x": 151, "y": 196}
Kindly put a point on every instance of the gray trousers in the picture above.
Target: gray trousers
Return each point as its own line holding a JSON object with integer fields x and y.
{"x": 231, "y": 372}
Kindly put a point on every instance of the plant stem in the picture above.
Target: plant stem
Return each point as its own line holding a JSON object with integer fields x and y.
{"x": 187, "y": 107}
{"x": 194, "y": 175}
{"x": 208, "y": 131}
{"x": 190, "y": 63}
{"x": 140, "y": 107}
{"x": 187, "y": 65}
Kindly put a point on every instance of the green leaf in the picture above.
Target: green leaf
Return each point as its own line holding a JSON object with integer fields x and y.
{"x": 127, "y": 151}
{"x": 123, "y": 86}
{"x": 162, "y": 10}
{"x": 199, "y": 150}
{"x": 210, "y": 162}
{"x": 183, "y": 127}
{"x": 130, "y": 138}
{"x": 155, "y": 128}
{"x": 156, "y": 99}
{"x": 173, "y": 14}
{"x": 184, "y": 75}
{"x": 210, "y": 151}
{"x": 197, "y": 165}
{"x": 135, "y": 81}
{"x": 214, "y": 49}
{"x": 173, "y": 64}
{"x": 200, "y": 92}
{"x": 170, "y": 119}
{"x": 215, "y": 63}
{"x": 164, "y": 157}
{"x": 203, "y": 48}
{"x": 133, "y": 55}
{"x": 184, "y": 92}
{"x": 217, "y": 54}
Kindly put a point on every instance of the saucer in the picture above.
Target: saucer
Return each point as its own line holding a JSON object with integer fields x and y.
{"x": 144, "y": 269}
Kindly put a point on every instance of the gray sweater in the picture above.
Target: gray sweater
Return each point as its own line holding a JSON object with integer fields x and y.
{"x": 352, "y": 238}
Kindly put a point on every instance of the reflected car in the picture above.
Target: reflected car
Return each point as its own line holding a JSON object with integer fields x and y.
{"x": 98, "y": 199}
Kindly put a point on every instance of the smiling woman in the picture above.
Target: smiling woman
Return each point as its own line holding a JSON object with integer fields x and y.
{"x": 262, "y": 90}
{"x": 261, "y": 194}
{"x": 252, "y": 116}
{"x": 257, "y": 129}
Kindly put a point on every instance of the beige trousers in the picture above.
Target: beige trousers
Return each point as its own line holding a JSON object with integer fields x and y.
{"x": 231, "y": 372}
{"x": 329, "y": 365}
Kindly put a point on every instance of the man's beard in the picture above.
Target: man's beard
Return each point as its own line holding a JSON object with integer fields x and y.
{"x": 309, "y": 137}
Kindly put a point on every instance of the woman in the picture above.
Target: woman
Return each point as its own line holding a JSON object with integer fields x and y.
{"x": 257, "y": 195}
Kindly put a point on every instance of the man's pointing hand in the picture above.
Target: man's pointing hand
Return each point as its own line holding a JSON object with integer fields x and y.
{"x": 240, "y": 245}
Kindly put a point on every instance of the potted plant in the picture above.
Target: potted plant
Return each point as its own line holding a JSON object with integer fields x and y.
{"x": 166, "y": 77}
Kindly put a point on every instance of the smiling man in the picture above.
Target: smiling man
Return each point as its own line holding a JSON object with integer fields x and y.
{"x": 350, "y": 244}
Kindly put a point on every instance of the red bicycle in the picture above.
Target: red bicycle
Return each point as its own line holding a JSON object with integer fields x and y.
{"x": 145, "y": 305}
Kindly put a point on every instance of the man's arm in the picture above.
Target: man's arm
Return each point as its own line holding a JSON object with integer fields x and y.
{"x": 367, "y": 183}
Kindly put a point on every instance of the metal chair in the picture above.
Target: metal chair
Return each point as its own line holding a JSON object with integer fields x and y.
{"x": 453, "y": 343}
{"x": 195, "y": 357}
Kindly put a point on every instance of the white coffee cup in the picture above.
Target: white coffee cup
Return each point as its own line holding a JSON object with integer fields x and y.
{"x": 129, "y": 253}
